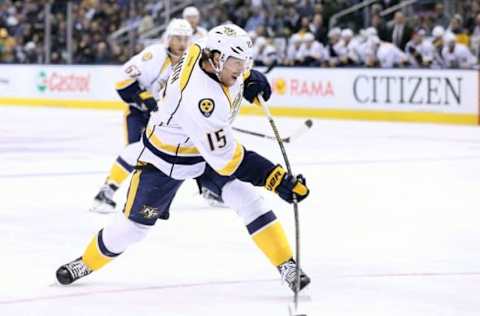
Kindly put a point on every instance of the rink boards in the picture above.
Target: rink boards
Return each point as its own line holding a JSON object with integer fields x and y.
{"x": 431, "y": 96}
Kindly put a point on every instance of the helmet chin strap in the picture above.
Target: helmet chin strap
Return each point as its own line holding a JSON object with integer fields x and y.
{"x": 218, "y": 69}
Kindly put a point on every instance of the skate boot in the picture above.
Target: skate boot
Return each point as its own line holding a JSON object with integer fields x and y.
{"x": 288, "y": 271}
{"x": 103, "y": 201}
{"x": 72, "y": 271}
{"x": 212, "y": 198}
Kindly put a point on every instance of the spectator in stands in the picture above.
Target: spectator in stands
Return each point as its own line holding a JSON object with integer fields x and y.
{"x": 146, "y": 23}
{"x": 292, "y": 18}
{"x": 318, "y": 29}
{"x": 456, "y": 27}
{"x": 192, "y": 15}
{"x": 257, "y": 19}
{"x": 22, "y": 29}
{"x": 440, "y": 17}
{"x": 457, "y": 55}
{"x": 400, "y": 32}
{"x": 102, "y": 54}
{"x": 475, "y": 37}
{"x": 471, "y": 16}
{"x": 7, "y": 46}
{"x": 304, "y": 26}
{"x": 32, "y": 55}
{"x": 381, "y": 27}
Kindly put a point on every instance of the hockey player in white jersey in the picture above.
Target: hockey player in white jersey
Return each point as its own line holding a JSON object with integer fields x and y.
{"x": 457, "y": 55}
{"x": 190, "y": 136}
{"x": 192, "y": 15}
{"x": 420, "y": 52}
{"x": 385, "y": 54}
{"x": 144, "y": 75}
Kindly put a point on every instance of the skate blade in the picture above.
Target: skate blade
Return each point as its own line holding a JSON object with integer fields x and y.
{"x": 296, "y": 311}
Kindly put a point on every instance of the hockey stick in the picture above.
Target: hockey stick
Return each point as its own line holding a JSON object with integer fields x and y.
{"x": 270, "y": 67}
{"x": 300, "y": 131}
{"x": 295, "y": 202}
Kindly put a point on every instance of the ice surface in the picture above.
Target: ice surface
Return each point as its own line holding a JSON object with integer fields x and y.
{"x": 391, "y": 226}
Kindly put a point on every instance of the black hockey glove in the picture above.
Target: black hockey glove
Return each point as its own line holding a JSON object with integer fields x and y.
{"x": 286, "y": 185}
{"x": 146, "y": 101}
{"x": 256, "y": 84}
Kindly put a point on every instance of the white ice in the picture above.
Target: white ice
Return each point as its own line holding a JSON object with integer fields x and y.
{"x": 392, "y": 225}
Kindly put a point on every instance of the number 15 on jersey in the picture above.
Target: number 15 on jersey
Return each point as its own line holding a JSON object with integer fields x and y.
{"x": 217, "y": 139}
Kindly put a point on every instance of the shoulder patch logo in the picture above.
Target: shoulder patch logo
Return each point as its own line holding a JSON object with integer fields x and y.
{"x": 206, "y": 106}
{"x": 147, "y": 56}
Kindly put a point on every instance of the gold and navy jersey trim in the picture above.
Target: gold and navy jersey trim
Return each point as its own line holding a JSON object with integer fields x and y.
{"x": 226, "y": 91}
{"x": 246, "y": 74}
{"x": 233, "y": 164}
{"x": 124, "y": 83}
{"x": 193, "y": 55}
{"x": 183, "y": 70}
{"x": 172, "y": 159}
{"x": 168, "y": 148}
{"x": 165, "y": 65}
{"x": 125, "y": 165}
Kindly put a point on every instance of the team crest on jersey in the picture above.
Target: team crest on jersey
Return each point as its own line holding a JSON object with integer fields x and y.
{"x": 206, "y": 106}
{"x": 147, "y": 56}
{"x": 149, "y": 212}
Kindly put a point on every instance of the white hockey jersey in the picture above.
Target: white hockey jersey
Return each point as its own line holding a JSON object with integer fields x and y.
{"x": 151, "y": 68}
{"x": 390, "y": 55}
{"x": 198, "y": 34}
{"x": 460, "y": 57}
{"x": 424, "y": 48}
{"x": 192, "y": 126}
{"x": 316, "y": 51}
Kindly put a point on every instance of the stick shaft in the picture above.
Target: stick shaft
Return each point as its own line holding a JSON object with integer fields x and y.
{"x": 295, "y": 203}
{"x": 246, "y": 131}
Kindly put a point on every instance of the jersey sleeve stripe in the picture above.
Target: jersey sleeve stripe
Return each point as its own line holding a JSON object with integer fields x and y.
{"x": 234, "y": 163}
{"x": 123, "y": 84}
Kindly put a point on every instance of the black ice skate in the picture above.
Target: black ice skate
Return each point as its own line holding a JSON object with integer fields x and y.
{"x": 289, "y": 275}
{"x": 103, "y": 201}
{"x": 72, "y": 271}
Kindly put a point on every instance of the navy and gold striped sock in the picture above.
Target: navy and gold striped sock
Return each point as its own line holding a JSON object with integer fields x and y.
{"x": 97, "y": 255}
{"x": 269, "y": 236}
{"x": 119, "y": 172}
